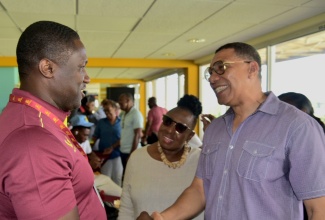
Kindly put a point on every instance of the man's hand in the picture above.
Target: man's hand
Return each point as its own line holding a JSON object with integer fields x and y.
{"x": 144, "y": 216}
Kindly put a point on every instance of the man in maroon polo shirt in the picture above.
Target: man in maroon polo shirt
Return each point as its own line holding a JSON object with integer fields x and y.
{"x": 43, "y": 174}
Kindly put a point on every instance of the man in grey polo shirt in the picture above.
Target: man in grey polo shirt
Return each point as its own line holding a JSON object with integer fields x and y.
{"x": 132, "y": 124}
{"x": 262, "y": 159}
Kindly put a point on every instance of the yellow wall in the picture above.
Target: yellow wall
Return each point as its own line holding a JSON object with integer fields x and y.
{"x": 191, "y": 73}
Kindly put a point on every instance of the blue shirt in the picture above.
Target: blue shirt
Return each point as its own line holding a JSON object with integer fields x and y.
{"x": 273, "y": 161}
{"x": 108, "y": 134}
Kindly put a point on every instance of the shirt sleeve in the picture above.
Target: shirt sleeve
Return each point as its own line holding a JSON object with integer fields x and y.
{"x": 138, "y": 120}
{"x": 306, "y": 150}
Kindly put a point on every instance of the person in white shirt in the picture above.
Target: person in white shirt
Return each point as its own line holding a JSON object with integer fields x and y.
{"x": 81, "y": 129}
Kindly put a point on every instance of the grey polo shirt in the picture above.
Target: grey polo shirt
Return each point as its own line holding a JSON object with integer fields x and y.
{"x": 130, "y": 121}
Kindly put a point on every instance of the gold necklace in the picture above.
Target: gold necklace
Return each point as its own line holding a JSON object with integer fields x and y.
{"x": 177, "y": 164}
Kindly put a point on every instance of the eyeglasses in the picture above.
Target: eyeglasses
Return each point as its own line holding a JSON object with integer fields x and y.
{"x": 220, "y": 67}
{"x": 179, "y": 127}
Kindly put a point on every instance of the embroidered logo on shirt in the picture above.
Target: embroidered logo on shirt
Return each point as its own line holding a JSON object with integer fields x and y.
{"x": 28, "y": 101}
{"x": 47, "y": 113}
{"x": 68, "y": 142}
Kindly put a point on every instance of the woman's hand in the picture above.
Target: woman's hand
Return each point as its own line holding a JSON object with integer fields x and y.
{"x": 206, "y": 119}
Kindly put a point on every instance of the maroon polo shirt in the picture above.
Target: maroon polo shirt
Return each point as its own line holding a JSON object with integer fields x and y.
{"x": 42, "y": 175}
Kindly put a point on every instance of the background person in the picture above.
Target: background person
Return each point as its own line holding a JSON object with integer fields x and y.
{"x": 165, "y": 168}
{"x": 87, "y": 108}
{"x": 251, "y": 163}
{"x": 108, "y": 131}
{"x": 132, "y": 124}
{"x": 154, "y": 120}
{"x": 81, "y": 129}
{"x": 301, "y": 102}
{"x": 46, "y": 174}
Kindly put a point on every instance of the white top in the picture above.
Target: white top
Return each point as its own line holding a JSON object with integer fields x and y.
{"x": 195, "y": 141}
{"x": 86, "y": 147}
{"x": 150, "y": 185}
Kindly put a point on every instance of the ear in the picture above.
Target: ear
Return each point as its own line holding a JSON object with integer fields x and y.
{"x": 190, "y": 136}
{"x": 46, "y": 67}
{"x": 253, "y": 69}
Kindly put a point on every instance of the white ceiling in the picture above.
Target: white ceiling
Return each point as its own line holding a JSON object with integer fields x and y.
{"x": 148, "y": 29}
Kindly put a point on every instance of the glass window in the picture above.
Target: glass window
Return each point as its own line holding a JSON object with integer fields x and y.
{"x": 160, "y": 91}
{"x": 160, "y": 88}
{"x": 171, "y": 89}
{"x": 264, "y": 82}
{"x": 299, "y": 68}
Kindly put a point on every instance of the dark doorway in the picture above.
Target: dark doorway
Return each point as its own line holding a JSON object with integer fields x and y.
{"x": 114, "y": 92}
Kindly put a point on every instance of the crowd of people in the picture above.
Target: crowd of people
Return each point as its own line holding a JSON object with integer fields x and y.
{"x": 262, "y": 159}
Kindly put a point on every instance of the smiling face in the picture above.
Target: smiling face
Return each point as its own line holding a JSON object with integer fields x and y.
{"x": 171, "y": 140}
{"x": 110, "y": 112}
{"x": 70, "y": 79}
{"x": 81, "y": 134}
{"x": 230, "y": 86}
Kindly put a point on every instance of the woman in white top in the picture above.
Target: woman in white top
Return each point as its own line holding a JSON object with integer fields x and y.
{"x": 158, "y": 173}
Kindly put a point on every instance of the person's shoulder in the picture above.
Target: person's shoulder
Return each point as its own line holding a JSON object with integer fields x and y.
{"x": 164, "y": 109}
{"x": 137, "y": 112}
{"x": 139, "y": 154}
{"x": 102, "y": 120}
{"x": 291, "y": 112}
{"x": 140, "y": 151}
{"x": 34, "y": 140}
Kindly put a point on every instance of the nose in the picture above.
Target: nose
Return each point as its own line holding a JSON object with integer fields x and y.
{"x": 214, "y": 77}
{"x": 86, "y": 78}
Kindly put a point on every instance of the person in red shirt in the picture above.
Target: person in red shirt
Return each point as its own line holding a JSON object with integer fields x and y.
{"x": 44, "y": 173}
{"x": 154, "y": 120}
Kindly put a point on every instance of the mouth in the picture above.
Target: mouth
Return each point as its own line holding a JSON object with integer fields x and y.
{"x": 82, "y": 92}
{"x": 220, "y": 89}
{"x": 167, "y": 140}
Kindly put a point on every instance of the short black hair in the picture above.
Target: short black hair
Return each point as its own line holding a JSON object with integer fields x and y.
{"x": 44, "y": 39}
{"x": 245, "y": 51}
{"x": 191, "y": 103}
{"x": 128, "y": 95}
{"x": 87, "y": 99}
{"x": 153, "y": 100}
{"x": 299, "y": 100}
